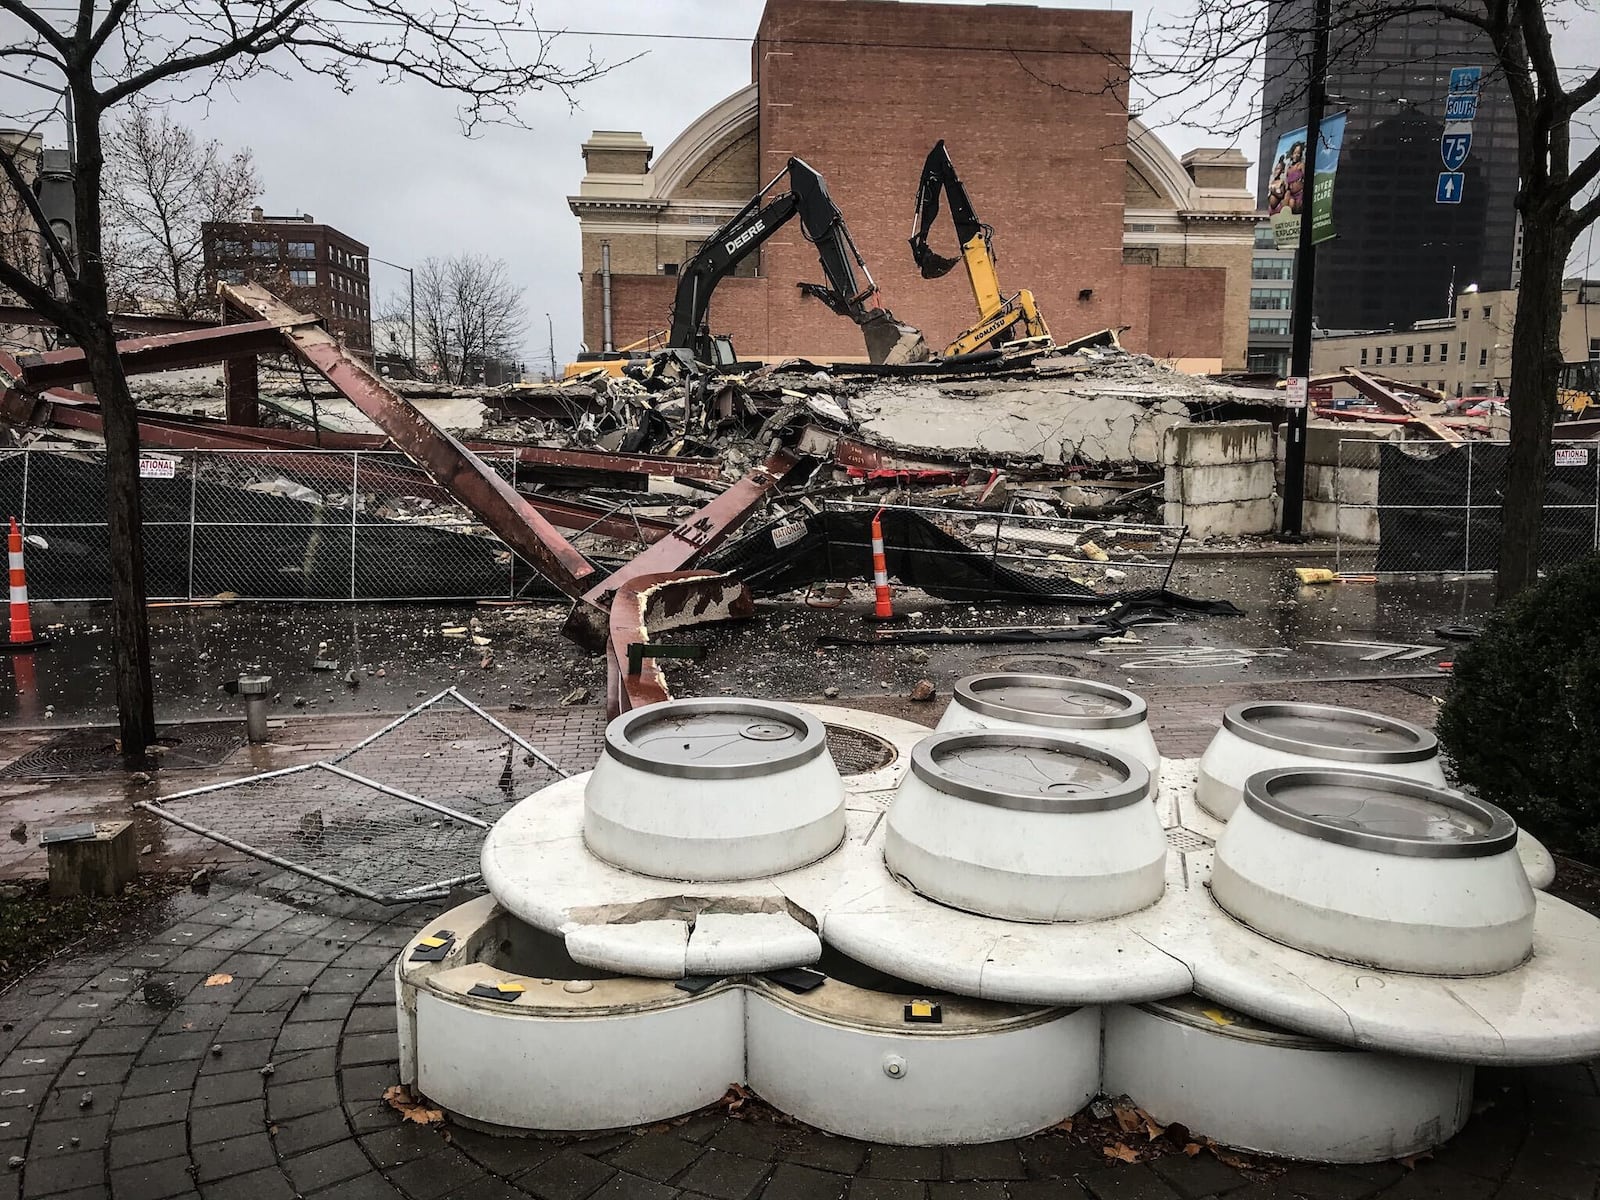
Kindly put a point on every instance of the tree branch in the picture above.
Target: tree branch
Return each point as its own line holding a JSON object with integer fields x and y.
{"x": 8, "y": 164}
{"x": 36, "y": 23}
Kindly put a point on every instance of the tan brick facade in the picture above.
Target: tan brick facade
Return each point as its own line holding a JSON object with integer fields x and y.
{"x": 1043, "y": 141}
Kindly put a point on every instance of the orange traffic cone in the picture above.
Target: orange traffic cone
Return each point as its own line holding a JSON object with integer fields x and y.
{"x": 21, "y": 621}
{"x": 883, "y": 602}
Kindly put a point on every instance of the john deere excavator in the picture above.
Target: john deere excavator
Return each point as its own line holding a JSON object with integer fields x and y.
{"x": 846, "y": 292}
{"x": 1002, "y": 320}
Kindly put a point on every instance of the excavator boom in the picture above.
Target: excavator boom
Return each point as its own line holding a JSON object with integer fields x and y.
{"x": 1001, "y": 318}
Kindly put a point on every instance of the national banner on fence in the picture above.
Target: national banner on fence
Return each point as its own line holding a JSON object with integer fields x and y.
{"x": 1286, "y": 185}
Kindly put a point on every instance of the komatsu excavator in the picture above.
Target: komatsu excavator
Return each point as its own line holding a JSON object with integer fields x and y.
{"x": 845, "y": 292}
{"x": 1002, "y": 320}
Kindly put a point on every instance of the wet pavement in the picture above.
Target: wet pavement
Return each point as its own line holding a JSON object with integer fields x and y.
{"x": 503, "y": 655}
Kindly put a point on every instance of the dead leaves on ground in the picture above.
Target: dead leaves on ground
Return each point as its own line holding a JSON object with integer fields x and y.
{"x": 410, "y": 1108}
{"x": 218, "y": 980}
{"x": 1124, "y": 1133}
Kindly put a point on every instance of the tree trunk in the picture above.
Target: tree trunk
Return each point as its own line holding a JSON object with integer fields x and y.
{"x": 91, "y": 326}
{"x": 130, "y": 625}
{"x": 1535, "y": 371}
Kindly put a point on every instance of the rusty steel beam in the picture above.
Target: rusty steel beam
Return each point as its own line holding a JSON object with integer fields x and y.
{"x": 1387, "y": 399}
{"x": 656, "y": 603}
{"x": 496, "y": 503}
{"x": 160, "y": 352}
{"x": 138, "y": 323}
{"x": 690, "y": 540}
{"x": 627, "y": 464}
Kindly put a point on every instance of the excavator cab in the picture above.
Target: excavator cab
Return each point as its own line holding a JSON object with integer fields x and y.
{"x": 1003, "y": 321}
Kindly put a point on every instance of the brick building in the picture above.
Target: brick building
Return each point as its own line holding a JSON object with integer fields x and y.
{"x": 314, "y": 267}
{"x": 1090, "y": 210}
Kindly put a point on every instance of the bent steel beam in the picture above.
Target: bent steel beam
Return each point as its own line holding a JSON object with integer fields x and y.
{"x": 662, "y": 601}
{"x": 495, "y": 502}
{"x": 690, "y": 540}
{"x": 161, "y": 352}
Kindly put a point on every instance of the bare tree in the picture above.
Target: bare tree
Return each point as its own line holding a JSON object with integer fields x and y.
{"x": 468, "y": 314}
{"x": 162, "y": 184}
{"x": 107, "y": 53}
{"x": 1211, "y": 56}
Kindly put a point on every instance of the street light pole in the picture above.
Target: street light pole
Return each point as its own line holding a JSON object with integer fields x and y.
{"x": 1305, "y": 276}
{"x": 68, "y": 113}
{"x": 411, "y": 284}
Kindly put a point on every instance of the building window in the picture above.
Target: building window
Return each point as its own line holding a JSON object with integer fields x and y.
{"x": 1463, "y": 355}
{"x": 302, "y": 249}
{"x": 264, "y": 249}
{"x": 1272, "y": 270}
{"x": 1466, "y": 313}
{"x": 1269, "y": 298}
{"x": 1444, "y": 351}
{"x": 1269, "y": 325}
{"x": 1427, "y": 351}
{"x": 1594, "y": 349}
{"x": 1394, "y": 354}
{"x": 232, "y": 248}
{"x": 1410, "y": 352}
{"x": 231, "y": 275}
{"x": 1487, "y": 311}
{"x": 1363, "y": 356}
{"x": 303, "y": 278}
{"x": 1483, "y": 357}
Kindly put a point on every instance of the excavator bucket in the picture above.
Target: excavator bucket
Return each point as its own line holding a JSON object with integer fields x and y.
{"x": 890, "y": 341}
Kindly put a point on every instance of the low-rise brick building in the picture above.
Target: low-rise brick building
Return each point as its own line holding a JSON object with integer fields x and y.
{"x": 314, "y": 267}
{"x": 1090, "y": 209}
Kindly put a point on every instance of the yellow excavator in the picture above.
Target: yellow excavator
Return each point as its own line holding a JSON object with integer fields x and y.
{"x": 1578, "y": 389}
{"x": 1003, "y": 321}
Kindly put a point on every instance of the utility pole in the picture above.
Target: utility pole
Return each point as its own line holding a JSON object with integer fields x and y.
{"x": 1305, "y": 280}
{"x": 550, "y": 325}
{"x": 411, "y": 286}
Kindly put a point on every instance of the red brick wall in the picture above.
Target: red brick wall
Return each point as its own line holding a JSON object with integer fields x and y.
{"x": 1039, "y": 139}
{"x": 642, "y": 304}
{"x": 1185, "y": 312}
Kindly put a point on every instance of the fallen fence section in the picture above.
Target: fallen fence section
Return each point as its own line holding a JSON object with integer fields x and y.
{"x": 399, "y": 817}
{"x": 1418, "y": 507}
{"x": 959, "y": 554}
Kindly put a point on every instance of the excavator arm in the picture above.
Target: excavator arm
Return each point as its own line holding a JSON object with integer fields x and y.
{"x": 1001, "y": 318}
{"x": 849, "y": 284}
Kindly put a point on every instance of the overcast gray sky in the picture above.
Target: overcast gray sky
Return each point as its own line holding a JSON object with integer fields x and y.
{"x": 390, "y": 166}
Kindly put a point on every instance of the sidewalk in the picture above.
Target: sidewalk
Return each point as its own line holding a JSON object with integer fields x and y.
{"x": 122, "y": 1074}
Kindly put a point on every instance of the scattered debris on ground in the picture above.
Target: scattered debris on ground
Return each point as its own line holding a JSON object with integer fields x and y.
{"x": 34, "y": 928}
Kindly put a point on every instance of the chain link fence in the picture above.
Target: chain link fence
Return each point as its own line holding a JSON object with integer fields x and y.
{"x": 1434, "y": 507}
{"x": 263, "y": 525}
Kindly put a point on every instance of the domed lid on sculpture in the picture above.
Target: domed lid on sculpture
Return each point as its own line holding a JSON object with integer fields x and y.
{"x": 1026, "y": 826}
{"x": 1268, "y": 734}
{"x": 1376, "y": 869}
{"x": 714, "y": 789}
{"x": 1093, "y": 712}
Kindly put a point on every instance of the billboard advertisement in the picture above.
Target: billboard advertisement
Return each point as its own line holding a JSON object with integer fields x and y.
{"x": 1287, "y": 190}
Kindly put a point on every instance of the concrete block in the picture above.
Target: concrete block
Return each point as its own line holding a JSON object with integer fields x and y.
{"x": 1347, "y": 523}
{"x": 1214, "y": 485}
{"x": 1228, "y": 519}
{"x": 1332, "y": 443}
{"x": 1218, "y": 443}
{"x": 99, "y": 866}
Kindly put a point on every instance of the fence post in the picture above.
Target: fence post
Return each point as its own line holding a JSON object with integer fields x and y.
{"x": 1338, "y": 507}
{"x": 355, "y": 478}
{"x": 1466, "y": 567}
{"x": 194, "y": 488}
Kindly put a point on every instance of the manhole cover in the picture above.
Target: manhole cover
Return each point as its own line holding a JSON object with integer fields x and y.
{"x": 79, "y": 753}
{"x": 856, "y": 752}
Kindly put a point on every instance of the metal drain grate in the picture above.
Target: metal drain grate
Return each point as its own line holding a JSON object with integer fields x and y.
{"x": 1183, "y": 840}
{"x": 856, "y": 752}
{"x": 80, "y": 753}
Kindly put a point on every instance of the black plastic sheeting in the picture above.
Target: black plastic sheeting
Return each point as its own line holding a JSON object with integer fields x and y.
{"x": 782, "y": 556}
{"x": 1441, "y": 511}
{"x": 828, "y": 546}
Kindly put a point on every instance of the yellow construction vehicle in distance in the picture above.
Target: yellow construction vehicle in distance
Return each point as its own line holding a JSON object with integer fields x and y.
{"x": 1578, "y": 389}
{"x": 1003, "y": 321}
